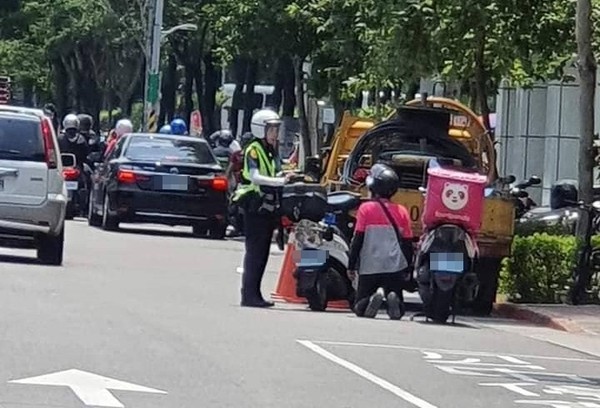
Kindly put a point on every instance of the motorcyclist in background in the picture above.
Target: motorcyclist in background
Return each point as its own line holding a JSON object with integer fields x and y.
{"x": 86, "y": 123}
{"x": 221, "y": 141}
{"x": 178, "y": 127}
{"x": 123, "y": 127}
{"x": 71, "y": 141}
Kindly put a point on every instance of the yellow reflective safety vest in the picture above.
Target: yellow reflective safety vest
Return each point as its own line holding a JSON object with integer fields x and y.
{"x": 266, "y": 167}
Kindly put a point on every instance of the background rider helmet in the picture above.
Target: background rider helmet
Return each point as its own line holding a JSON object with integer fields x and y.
{"x": 178, "y": 127}
{"x": 225, "y": 138}
{"x": 123, "y": 127}
{"x": 246, "y": 139}
{"x": 71, "y": 126}
{"x": 165, "y": 130}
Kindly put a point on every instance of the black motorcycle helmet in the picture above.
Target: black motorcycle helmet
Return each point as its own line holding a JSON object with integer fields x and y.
{"x": 86, "y": 122}
{"x": 382, "y": 181}
{"x": 225, "y": 138}
{"x": 563, "y": 194}
{"x": 246, "y": 139}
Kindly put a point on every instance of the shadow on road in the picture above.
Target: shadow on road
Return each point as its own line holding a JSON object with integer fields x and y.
{"x": 19, "y": 259}
{"x": 171, "y": 233}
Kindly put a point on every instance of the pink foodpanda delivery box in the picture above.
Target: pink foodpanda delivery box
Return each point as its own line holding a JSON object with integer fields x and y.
{"x": 454, "y": 197}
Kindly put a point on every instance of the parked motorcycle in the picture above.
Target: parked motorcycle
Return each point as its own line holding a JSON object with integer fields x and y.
{"x": 588, "y": 258}
{"x": 523, "y": 202}
{"x": 322, "y": 250}
{"x": 447, "y": 249}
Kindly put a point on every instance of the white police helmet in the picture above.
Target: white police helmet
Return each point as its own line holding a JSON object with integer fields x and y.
{"x": 260, "y": 121}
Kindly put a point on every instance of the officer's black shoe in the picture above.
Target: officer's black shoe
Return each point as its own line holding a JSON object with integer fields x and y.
{"x": 256, "y": 303}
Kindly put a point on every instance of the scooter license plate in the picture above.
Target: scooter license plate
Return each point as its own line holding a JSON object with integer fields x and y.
{"x": 449, "y": 262}
{"x": 311, "y": 257}
{"x": 72, "y": 185}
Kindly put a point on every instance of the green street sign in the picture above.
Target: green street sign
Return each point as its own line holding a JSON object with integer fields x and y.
{"x": 153, "y": 83}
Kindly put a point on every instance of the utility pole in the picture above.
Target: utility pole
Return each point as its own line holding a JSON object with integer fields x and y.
{"x": 587, "y": 88}
{"x": 152, "y": 100}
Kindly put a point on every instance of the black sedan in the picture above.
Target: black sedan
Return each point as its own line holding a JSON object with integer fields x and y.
{"x": 163, "y": 179}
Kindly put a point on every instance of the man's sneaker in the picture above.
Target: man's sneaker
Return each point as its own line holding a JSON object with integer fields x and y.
{"x": 375, "y": 303}
{"x": 395, "y": 306}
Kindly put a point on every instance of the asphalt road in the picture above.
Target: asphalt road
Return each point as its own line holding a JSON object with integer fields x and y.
{"x": 159, "y": 309}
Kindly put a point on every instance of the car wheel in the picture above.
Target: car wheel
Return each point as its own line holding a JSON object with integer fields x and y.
{"x": 199, "y": 231}
{"x": 50, "y": 248}
{"x": 218, "y": 230}
{"x": 109, "y": 222}
{"x": 70, "y": 211}
{"x": 94, "y": 220}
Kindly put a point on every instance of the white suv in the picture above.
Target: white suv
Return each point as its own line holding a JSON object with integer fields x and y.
{"x": 33, "y": 194}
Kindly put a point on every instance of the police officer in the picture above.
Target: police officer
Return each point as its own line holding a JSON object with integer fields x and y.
{"x": 258, "y": 196}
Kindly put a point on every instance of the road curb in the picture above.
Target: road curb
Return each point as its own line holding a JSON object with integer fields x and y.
{"x": 515, "y": 311}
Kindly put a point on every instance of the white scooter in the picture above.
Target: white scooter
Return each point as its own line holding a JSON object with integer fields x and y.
{"x": 323, "y": 256}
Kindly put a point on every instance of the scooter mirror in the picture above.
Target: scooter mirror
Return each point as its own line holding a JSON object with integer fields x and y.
{"x": 535, "y": 180}
{"x": 508, "y": 179}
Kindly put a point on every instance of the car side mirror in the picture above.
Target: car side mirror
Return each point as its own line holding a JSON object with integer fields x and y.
{"x": 68, "y": 159}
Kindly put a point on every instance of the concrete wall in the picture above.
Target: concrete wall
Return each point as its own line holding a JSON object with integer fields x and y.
{"x": 538, "y": 133}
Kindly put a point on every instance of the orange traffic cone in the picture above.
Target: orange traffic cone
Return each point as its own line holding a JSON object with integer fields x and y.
{"x": 285, "y": 291}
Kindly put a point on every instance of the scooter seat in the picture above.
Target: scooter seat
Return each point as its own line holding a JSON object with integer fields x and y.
{"x": 342, "y": 201}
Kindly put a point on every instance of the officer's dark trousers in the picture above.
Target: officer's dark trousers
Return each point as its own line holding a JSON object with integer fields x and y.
{"x": 258, "y": 234}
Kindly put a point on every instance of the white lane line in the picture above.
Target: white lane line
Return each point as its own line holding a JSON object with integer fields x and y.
{"x": 405, "y": 395}
{"x": 453, "y": 352}
{"x": 513, "y": 360}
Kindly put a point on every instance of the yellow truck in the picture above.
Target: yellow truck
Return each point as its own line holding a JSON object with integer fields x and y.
{"x": 351, "y": 155}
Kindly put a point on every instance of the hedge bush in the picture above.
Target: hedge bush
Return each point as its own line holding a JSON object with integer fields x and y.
{"x": 541, "y": 266}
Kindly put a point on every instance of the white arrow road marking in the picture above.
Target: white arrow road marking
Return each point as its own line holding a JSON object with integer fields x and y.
{"x": 91, "y": 389}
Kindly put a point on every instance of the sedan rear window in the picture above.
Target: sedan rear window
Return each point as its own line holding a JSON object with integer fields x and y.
{"x": 21, "y": 139}
{"x": 165, "y": 149}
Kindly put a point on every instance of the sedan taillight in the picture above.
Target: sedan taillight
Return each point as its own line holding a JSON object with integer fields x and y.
{"x": 130, "y": 177}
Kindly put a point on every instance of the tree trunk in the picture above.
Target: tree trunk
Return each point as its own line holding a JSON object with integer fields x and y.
{"x": 239, "y": 72}
{"x": 289, "y": 87}
{"x": 199, "y": 81}
{"x": 587, "y": 73}
{"x": 249, "y": 106}
{"x": 481, "y": 82}
{"x": 28, "y": 94}
{"x": 275, "y": 100}
{"x": 169, "y": 91}
{"x": 211, "y": 86}
{"x": 302, "y": 118}
{"x": 188, "y": 92}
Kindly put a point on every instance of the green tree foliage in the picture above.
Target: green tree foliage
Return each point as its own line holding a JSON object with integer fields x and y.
{"x": 353, "y": 44}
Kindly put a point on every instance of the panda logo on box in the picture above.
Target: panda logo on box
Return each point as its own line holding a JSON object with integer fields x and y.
{"x": 455, "y": 196}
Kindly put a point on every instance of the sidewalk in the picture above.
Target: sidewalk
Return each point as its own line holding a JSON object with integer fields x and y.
{"x": 572, "y": 319}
